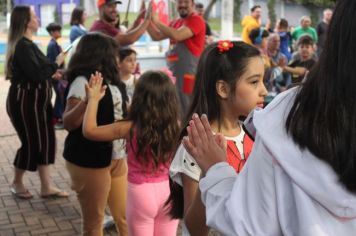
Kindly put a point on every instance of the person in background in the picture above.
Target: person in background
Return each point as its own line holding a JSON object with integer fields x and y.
{"x": 77, "y": 21}
{"x": 259, "y": 39}
{"x": 127, "y": 67}
{"x": 29, "y": 103}
{"x": 304, "y": 28}
{"x": 209, "y": 38}
{"x": 277, "y": 81}
{"x": 108, "y": 19}
{"x": 53, "y": 50}
{"x": 282, "y": 28}
{"x": 300, "y": 67}
{"x": 322, "y": 29}
{"x": 251, "y": 22}
{"x": 187, "y": 42}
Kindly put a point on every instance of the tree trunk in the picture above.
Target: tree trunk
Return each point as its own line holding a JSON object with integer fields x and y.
{"x": 209, "y": 8}
{"x": 271, "y": 4}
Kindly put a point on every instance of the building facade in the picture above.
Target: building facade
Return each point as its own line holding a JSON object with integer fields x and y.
{"x": 51, "y": 10}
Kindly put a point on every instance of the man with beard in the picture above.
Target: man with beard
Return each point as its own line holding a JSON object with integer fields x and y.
{"x": 187, "y": 41}
{"x": 108, "y": 17}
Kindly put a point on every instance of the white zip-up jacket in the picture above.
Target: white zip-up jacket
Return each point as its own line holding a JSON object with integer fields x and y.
{"x": 282, "y": 189}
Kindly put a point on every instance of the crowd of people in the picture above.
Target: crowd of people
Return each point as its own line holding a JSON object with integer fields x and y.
{"x": 207, "y": 140}
{"x": 288, "y": 53}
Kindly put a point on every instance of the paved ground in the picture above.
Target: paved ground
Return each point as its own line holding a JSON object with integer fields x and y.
{"x": 36, "y": 216}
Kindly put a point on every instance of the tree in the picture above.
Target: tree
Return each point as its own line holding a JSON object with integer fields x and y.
{"x": 312, "y": 6}
{"x": 208, "y": 8}
{"x": 271, "y": 4}
{"x": 317, "y": 3}
{"x": 237, "y": 12}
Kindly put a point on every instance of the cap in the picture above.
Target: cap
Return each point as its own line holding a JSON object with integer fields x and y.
{"x": 101, "y": 3}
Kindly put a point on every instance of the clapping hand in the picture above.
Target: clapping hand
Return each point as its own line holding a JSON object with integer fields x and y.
{"x": 95, "y": 90}
{"x": 206, "y": 148}
{"x": 148, "y": 15}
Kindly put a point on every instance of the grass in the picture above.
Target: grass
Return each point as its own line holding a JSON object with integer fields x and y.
{"x": 2, "y": 65}
{"x": 215, "y": 25}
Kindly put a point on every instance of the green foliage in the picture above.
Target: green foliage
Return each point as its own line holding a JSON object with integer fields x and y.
{"x": 318, "y": 3}
{"x": 271, "y": 11}
{"x": 237, "y": 11}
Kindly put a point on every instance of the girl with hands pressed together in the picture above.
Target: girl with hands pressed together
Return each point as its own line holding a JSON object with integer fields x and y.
{"x": 228, "y": 86}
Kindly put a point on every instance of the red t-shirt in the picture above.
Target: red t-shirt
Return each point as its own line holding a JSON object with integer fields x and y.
{"x": 196, "y": 24}
{"x": 105, "y": 28}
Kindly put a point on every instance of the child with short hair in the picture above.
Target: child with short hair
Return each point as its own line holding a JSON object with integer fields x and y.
{"x": 151, "y": 130}
{"x": 128, "y": 65}
{"x": 282, "y": 28}
{"x": 299, "y": 67}
{"x": 229, "y": 84}
{"x": 59, "y": 86}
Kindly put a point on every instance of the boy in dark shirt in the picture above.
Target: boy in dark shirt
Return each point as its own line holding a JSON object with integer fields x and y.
{"x": 53, "y": 50}
{"x": 304, "y": 63}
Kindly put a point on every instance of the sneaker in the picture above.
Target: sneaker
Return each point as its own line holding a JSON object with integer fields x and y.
{"x": 108, "y": 221}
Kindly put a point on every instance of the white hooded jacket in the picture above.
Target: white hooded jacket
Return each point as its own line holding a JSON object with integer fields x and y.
{"x": 282, "y": 189}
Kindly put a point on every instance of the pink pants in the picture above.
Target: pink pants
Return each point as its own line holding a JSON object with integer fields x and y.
{"x": 146, "y": 213}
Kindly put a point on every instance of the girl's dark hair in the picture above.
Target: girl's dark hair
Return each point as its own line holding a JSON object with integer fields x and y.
{"x": 125, "y": 52}
{"x": 213, "y": 66}
{"x": 89, "y": 58}
{"x": 258, "y": 33}
{"x": 322, "y": 118}
{"x": 77, "y": 16}
{"x": 154, "y": 112}
{"x": 305, "y": 40}
{"x": 283, "y": 23}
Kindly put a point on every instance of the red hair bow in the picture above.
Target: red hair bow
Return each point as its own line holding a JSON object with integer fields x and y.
{"x": 224, "y": 46}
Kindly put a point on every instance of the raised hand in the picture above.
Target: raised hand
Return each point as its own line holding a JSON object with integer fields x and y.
{"x": 94, "y": 89}
{"x": 148, "y": 15}
{"x": 206, "y": 148}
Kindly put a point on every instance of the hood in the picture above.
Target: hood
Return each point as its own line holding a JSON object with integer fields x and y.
{"x": 314, "y": 176}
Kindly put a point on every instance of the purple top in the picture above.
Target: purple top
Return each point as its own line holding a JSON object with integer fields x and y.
{"x": 138, "y": 172}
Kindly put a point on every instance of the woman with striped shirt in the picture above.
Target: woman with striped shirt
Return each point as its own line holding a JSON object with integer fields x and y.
{"x": 29, "y": 103}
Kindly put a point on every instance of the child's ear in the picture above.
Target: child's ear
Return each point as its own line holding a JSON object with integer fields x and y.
{"x": 222, "y": 89}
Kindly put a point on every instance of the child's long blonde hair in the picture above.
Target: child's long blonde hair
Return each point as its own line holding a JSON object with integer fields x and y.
{"x": 20, "y": 17}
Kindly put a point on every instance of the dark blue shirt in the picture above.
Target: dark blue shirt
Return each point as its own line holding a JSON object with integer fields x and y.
{"x": 53, "y": 50}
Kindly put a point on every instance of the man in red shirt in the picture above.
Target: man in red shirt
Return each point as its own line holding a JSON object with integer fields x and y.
{"x": 108, "y": 17}
{"x": 187, "y": 41}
